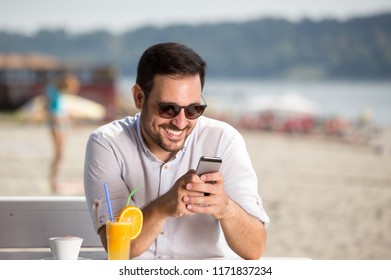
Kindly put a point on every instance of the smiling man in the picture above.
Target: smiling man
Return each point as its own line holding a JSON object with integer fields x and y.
{"x": 159, "y": 148}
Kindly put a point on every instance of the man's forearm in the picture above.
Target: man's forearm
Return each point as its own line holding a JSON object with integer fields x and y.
{"x": 152, "y": 224}
{"x": 245, "y": 234}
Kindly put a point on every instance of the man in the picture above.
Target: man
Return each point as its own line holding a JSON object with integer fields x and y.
{"x": 159, "y": 148}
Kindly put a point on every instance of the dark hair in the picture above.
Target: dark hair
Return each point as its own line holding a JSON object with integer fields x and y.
{"x": 169, "y": 59}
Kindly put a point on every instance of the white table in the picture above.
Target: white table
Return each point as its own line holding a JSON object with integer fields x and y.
{"x": 45, "y": 253}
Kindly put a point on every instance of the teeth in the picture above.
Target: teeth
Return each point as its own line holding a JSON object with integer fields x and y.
{"x": 173, "y": 132}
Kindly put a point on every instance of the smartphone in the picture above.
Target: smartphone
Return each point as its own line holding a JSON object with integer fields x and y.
{"x": 208, "y": 165}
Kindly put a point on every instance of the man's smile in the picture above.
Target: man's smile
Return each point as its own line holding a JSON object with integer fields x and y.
{"x": 174, "y": 134}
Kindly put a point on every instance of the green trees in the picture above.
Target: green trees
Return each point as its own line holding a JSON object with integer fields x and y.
{"x": 356, "y": 48}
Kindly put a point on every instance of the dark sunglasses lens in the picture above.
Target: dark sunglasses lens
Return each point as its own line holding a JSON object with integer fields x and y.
{"x": 194, "y": 111}
{"x": 168, "y": 111}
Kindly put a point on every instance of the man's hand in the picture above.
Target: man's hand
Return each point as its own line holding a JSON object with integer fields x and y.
{"x": 215, "y": 203}
{"x": 173, "y": 201}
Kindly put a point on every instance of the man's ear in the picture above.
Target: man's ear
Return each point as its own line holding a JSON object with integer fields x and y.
{"x": 138, "y": 96}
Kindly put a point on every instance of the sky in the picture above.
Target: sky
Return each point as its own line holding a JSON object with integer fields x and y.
{"x": 78, "y": 16}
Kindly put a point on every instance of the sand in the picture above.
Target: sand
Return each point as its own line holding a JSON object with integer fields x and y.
{"x": 327, "y": 199}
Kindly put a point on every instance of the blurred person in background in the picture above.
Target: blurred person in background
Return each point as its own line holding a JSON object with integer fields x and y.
{"x": 58, "y": 119}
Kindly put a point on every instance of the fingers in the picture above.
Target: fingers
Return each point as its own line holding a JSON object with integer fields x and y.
{"x": 185, "y": 206}
{"x": 198, "y": 200}
{"x": 201, "y": 208}
{"x": 181, "y": 210}
{"x": 204, "y": 189}
{"x": 191, "y": 190}
{"x": 180, "y": 214}
{"x": 212, "y": 178}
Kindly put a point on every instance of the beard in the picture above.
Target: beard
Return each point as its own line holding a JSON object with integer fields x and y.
{"x": 155, "y": 135}
{"x": 170, "y": 145}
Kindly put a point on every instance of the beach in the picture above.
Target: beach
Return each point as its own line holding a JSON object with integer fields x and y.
{"x": 327, "y": 199}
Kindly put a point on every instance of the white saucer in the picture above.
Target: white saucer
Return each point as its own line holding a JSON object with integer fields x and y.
{"x": 52, "y": 259}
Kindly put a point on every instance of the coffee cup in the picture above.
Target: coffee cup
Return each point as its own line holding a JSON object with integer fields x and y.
{"x": 65, "y": 248}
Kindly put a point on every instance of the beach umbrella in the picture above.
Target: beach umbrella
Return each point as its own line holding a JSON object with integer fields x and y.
{"x": 295, "y": 104}
{"x": 260, "y": 103}
{"x": 289, "y": 103}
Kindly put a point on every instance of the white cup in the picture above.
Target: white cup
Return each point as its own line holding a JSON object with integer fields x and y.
{"x": 65, "y": 248}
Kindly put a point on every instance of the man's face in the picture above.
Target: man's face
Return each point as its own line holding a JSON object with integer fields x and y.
{"x": 165, "y": 137}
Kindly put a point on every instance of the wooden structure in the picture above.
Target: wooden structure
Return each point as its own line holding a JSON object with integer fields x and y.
{"x": 25, "y": 76}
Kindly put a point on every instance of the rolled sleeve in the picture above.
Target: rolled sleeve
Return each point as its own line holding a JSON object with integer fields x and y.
{"x": 100, "y": 168}
{"x": 241, "y": 181}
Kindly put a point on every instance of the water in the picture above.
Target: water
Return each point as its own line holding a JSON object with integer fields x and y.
{"x": 346, "y": 99}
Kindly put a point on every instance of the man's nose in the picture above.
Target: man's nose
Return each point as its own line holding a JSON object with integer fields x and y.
{"x": 180, "y": 121}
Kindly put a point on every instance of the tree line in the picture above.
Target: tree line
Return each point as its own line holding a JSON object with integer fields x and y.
{"x": 265, "y": 48}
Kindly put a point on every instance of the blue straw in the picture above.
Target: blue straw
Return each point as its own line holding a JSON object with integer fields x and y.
{"x": 108, "y": 202}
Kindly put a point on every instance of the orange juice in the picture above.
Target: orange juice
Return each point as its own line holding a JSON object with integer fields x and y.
{"x": 118, "y": 239}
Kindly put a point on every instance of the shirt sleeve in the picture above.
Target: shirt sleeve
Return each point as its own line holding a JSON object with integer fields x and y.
{"x": 102, "y": 166}
{"x": 240, "y": 179}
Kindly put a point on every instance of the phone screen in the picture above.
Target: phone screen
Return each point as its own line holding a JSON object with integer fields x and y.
{"x": 208, "y": 165}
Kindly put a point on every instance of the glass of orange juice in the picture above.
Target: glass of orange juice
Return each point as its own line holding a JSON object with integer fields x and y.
{"x": 118, "y": 234}
{"x": 122, "y": 230}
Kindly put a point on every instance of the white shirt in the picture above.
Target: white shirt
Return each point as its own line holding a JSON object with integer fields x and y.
{"x": 116, "y": 154}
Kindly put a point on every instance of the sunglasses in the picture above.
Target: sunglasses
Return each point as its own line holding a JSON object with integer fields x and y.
{"x": 171, "y": 110}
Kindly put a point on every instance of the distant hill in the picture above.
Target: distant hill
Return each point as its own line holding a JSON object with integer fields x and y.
{"x": 356, "y": 48}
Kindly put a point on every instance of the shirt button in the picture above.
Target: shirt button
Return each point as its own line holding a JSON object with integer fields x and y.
{"x": 166, "y": 166}
{"x": 162, "y": 233}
